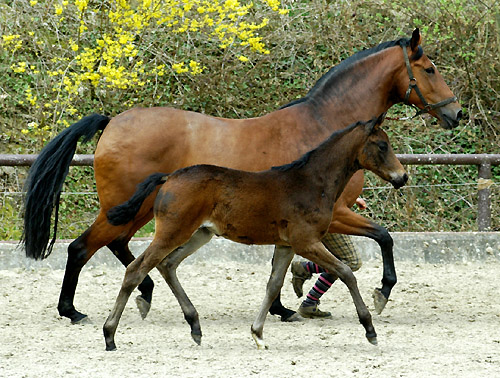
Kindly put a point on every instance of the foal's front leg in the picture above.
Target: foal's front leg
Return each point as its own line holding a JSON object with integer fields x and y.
{"x": 318, "y": 253}
{"x": 281, "y": 261}
{"x": 168, "y": 269}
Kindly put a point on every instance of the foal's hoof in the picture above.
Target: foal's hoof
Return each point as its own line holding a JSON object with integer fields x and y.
{"x": 196, "y": 338}
{"x": 111, "y": 347}
{"x": 261, "y": 345}
{"x": 379, "y": 301}
{"x": 372, "y": 340}
{"x": 143, "y": 306}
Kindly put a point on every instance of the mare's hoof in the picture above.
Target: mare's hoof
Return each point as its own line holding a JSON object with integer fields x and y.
{"x": 143, "y": 306}
{"x": 293, "y": 318}
{"x": 196, "y": 338}
{"x": 79, "y": 318}
{"x": 379, "y": 301}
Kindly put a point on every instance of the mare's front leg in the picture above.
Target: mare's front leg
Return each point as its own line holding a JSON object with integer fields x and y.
{"x": 346, "y": 221}
{"x": 281, "y": 261}
{"x": 168, "y": 269}
{"x": 318, "y": 254}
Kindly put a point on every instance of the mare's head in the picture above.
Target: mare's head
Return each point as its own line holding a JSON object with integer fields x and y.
{"x": 378, "y": 156}
{"x": 422, "y": 85}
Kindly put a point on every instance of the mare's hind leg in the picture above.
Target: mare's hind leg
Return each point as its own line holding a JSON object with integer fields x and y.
{"x": 79, "y": 253}
{"x": 285, "y": 314}
{"x": 321, "y": 256}
{"x": 168, "y": 269}
{"x": 121, "y": 250}
{"x": 281, "y": 261}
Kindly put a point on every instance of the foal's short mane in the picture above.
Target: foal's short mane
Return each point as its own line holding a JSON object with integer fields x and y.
{"x": 330, "y": 78}
{"x": 300, "y": 162}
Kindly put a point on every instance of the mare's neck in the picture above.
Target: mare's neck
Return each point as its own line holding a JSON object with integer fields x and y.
{"x": 360, "y": 92}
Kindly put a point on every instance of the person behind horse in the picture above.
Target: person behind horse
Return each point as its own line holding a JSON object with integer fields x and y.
{"x": 342, "y": 247}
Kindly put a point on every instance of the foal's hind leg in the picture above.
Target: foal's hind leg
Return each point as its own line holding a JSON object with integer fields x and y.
{"x": 281, "y": 261}
{"x": 121, "y": 250}
{"x": 321, "y": 256}
{"x": 135, "y": 273}
{"x": 168, "y": 268}
{"x": 284, "y": 313}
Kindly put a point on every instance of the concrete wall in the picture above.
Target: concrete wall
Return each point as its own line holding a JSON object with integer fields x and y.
{"x": 435, "y": 248}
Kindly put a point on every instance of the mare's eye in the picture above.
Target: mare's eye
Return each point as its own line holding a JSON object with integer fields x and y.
{"x": 382, "y": 146}
{"x": 430, "y": 70}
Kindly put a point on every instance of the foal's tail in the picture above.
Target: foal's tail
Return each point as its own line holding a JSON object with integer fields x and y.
{"x": 44, "y": 184}
{"x": 124, "y": 213}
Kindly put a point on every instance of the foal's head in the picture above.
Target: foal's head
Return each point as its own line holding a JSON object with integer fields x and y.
{"x": 378, "y": 156}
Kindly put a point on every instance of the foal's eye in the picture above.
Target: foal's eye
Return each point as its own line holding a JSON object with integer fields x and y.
{"x": 382, "y": 146}
{"x": 430, "y": 70}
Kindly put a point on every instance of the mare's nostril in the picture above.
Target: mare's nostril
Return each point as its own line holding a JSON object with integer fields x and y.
{"x": 405, "y": 178}
{"x": 459, "y": 115}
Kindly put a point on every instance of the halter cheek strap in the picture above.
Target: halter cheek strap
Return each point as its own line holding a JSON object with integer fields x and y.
{"x": 413, "y": 86}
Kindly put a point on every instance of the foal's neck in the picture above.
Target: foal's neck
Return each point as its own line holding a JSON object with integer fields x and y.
{"x": 333, "y": 163}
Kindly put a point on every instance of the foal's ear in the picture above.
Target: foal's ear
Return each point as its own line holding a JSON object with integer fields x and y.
{"x": 416, "y": 39}
{"x": 374, "y": 124}
{"x": 380, "y": 120}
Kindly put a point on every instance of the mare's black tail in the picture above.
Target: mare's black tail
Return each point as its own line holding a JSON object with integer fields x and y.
{"x": 124, "y": 213}
{"x": 44, "y": 184}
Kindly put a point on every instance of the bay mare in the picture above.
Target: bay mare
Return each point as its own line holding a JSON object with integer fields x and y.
{"x": 289, "y": 206}
{"x": 139, "y": 142}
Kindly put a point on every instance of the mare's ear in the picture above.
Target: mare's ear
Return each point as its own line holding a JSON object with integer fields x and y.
{"x": 416, "y": 39}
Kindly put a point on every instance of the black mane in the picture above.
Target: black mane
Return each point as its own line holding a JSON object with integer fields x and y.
{"x": 335, "y": 72}
{"x": 300, "y": 162}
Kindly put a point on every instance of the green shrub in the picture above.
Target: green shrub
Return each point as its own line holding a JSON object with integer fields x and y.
{"x": 65, "y": 59}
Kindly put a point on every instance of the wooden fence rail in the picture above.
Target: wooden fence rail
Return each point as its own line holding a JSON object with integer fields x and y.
{"x": 482, "y": 161}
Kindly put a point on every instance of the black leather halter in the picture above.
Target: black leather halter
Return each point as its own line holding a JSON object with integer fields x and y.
{"x": 413, "y": 85}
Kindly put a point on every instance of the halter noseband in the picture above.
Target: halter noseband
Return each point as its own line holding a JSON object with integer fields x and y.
{"x": 413, "y": 85}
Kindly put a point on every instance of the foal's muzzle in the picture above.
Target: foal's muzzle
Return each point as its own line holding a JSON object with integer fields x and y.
{"x": 399, "y": 181}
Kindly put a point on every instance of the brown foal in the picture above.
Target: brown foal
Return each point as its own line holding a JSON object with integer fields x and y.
{"x": 289, "y": 206}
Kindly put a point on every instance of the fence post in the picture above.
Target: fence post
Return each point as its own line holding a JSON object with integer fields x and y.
{"x": 483, "y": 197}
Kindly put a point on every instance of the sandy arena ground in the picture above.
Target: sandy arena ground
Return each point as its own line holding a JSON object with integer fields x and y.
{"x": 442, "y": 321}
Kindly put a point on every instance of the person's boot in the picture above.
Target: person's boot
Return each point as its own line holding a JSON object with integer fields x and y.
{"x": 300, "y": 275}
{"x": 313, "y": 312}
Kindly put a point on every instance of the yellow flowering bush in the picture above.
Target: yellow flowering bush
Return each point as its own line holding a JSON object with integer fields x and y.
{"x": 88, "y": 52}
